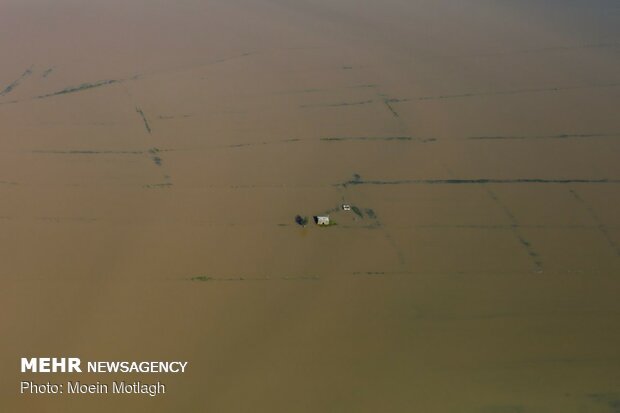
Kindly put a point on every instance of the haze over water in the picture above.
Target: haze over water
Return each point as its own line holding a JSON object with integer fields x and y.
{"x": 154, "y": 155}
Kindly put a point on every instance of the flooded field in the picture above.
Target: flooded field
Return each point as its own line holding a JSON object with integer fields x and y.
{"x": 154, "y": 156}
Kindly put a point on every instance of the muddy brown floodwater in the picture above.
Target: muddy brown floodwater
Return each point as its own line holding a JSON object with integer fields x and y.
{"x": 154, "y": 155}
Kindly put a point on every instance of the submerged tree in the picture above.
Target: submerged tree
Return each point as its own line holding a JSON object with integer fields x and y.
{"x": 303, "y": 221}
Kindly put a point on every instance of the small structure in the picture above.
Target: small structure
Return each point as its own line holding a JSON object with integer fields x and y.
{"x": 321, "y": 220}
{"x": 346, "y": 207}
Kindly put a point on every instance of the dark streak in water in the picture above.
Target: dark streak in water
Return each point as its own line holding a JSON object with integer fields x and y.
{"x": 207, "y": 278}
{"x": 526, "y": 244}
{"x": 9, "y": 88}
{"x": 496, "y": 226}
{"x": 158, "y": 186}
{"x": 89, "y": 152}
{"x": 336, "y": 105}
{"x": 146, "y": 122}
{"x": 517, "y": 92}
{"x": 226, "y": 59}
{"x": 301, "y": 91}
{"x": 241, "y": 145}
{"x": 66, "y": 219}
{"x": 399, "y": 254}
{"x": 378, "y": 138}
{"x": 549, "y": 49}
{"x": 47, "y": 72}
{"x": 335, "y": 139}
{"x": 396, "y": 100}
{"x": 560, "y": 136}
{"x": 501, "y": 227}
{"x": 481, "y": 181}
{"x": 600, "y": 225}
{"x": 367, "y": 86}
{"x": 80, "y": 88}
{"x": 391, "y": 109}
{"x": 168, "y": 117}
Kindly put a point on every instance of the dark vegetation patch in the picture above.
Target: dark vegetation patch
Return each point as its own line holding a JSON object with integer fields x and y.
{"x": 155, "y": 157}
{"x": 611, "y": 400}
{"x": 371, "y": 214}
{"x": 11, "y": 86}
{"x": 357, "y": 211}
{"x": 301, "y": 220}
{"x": 202, "y": 278}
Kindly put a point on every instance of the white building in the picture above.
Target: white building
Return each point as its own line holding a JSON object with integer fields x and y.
{"x": 322, "y": 220}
